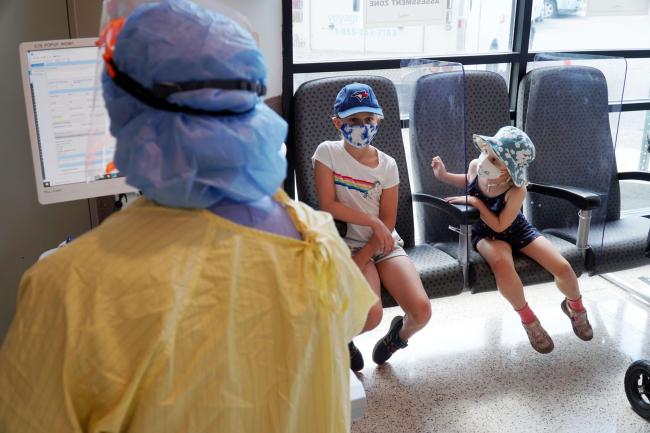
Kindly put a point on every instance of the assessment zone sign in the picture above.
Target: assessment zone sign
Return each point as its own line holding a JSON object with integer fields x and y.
{"x": 395, "y": 13}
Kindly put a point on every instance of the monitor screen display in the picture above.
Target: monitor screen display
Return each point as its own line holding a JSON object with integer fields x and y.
{"x": 71, "y": 146}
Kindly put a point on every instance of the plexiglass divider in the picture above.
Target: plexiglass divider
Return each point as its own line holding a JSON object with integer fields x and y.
{"x": 435, "y": 94}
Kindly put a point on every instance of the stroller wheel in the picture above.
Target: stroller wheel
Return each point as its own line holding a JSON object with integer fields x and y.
{"x": 637, "y": 387}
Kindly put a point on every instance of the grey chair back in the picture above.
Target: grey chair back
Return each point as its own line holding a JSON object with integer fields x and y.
{"x": 564, "y": 110}
{"x": 437, "y": 114}
{"x": 313, "y": 105}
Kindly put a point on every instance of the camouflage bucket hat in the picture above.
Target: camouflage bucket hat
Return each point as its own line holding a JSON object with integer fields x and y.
{"x": 513, "y": 147}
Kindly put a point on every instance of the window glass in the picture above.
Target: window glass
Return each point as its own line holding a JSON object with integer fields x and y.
{"x": 615, "y": 69}
{"x": 637, "y": 87}
{"x": 601, "y": 24}
{"x": 633, "y": 73}
{"x": 339, "y": 30}
{"x": 395, "y": 75}
{"x": 633, "y": 154}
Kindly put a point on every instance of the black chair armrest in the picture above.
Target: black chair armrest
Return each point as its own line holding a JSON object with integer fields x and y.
{"x": 581, "y": 198}
{"x": 461, "y": 213}
{"x": 634, "y": 175}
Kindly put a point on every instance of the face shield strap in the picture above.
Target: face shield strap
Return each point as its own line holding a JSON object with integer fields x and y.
{"x": 166, "y": 88}
{"x": 156, "y": 99}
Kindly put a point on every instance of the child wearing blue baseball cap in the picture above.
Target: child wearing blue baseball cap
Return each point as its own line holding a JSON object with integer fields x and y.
{"x": 358, "y": 184}
{"x": 497, "y": 188}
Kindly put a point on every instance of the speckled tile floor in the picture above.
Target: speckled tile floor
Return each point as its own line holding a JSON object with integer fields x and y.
{"x": 472, "y": 369}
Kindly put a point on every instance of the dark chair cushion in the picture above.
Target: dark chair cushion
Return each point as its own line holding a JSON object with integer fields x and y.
{"x": 621, "y": 246}
{"x": 441, "y": 274}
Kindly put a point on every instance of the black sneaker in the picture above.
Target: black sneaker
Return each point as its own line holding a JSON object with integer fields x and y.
{"x": 356, "y": 359}
{"x": 391, "y": 342}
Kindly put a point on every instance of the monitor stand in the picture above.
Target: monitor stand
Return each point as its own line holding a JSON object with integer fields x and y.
{"x": 100, "y": 208}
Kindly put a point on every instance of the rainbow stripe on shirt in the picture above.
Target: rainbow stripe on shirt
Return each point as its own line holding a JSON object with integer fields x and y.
{"x": 351, "y": 183}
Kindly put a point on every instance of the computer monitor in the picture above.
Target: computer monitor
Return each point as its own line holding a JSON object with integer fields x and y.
{"x": 72, "y": 150}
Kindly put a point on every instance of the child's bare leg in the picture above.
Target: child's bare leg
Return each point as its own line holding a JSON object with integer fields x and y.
{"x": 498, "y": 254}
{"x": 401, "y": 279}
{"x": 543, "y": 252}
{"x": 376, "y": 311}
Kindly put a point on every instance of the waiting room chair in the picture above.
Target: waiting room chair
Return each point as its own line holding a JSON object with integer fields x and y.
{"x": 441, "y": 273}
{"x": 564, "y": 110}
{"x": 487, "y": 110}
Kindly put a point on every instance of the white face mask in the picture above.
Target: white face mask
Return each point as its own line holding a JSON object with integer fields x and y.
{"x": 486, "y": 169}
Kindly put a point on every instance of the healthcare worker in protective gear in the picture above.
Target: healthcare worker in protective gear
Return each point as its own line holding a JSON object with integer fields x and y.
{"x": 213, "y": 304}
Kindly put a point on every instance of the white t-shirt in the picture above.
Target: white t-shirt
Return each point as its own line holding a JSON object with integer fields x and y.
{"x": 357, "y": 186}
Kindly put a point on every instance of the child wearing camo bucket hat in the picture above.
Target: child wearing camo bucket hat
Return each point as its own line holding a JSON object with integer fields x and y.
{"x": 497, "y": 188}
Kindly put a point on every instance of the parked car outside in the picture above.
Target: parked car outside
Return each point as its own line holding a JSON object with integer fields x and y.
{"x": 538, "y": 11}
{"x": 555, "y": 8}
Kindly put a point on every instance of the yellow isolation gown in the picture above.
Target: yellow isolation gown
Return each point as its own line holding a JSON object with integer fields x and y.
{"x": 168, "y": 320}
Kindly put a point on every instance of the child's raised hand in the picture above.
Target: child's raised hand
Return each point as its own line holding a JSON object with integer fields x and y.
{"x": 439, "y": 169}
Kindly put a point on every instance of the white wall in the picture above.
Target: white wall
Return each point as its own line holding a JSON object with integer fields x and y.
{"x": 265, "y": 16}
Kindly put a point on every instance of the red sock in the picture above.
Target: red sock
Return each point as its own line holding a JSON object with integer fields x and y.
{"x": 526, "y": 314}
{"x": 576, "y": 305}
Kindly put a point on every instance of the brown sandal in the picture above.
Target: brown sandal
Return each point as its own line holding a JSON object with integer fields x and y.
{"x": 579, "y": 321}
{"x": 538, "y": 337}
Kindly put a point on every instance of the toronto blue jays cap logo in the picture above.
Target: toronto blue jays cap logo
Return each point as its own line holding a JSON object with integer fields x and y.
{"x": 360, "y": 95}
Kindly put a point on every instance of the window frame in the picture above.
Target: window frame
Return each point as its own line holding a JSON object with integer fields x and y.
{"x": 517, "y": 58}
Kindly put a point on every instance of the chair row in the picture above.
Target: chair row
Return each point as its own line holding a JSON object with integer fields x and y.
{"x": 569, "y": 135}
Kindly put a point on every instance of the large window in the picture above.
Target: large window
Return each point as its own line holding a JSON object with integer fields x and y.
{"x": 397, "y": 77}
{"x": 339, "y": 30}
{"x": 372, "y": 37}
{"x": 592, "y": 25}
